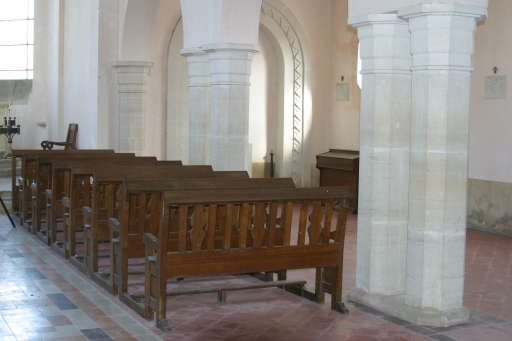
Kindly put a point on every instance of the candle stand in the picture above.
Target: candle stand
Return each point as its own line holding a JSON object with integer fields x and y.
{"x": 9, "y": 129}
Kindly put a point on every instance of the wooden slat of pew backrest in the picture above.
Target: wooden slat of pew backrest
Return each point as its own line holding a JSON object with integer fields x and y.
{"x": 139, "y": 214}
{"x": 44, "y": 178}
{"x": 106, "y": 200}
{"x": 29, "y": 170}
{"x": 80, "y": 182}
{"x": 60, "y": 184}
{"x": 204, "y": 259}
{"x": 18, "y": 157}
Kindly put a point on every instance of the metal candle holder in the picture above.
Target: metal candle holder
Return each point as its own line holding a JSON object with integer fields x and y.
{"x": 9, "y": 129}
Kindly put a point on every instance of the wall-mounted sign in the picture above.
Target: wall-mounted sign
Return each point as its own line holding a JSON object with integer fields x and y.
{"x": 343, "y": 92}
{"x": 495, "y": 87}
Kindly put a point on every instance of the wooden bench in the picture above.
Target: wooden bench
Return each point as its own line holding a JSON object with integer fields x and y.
{"x": 81, "y": 195}
{"x": 44, "y": 180}
{"x": 191, "y": 251}
{"x": 104, "y": 205}
{"x": 59, "y": 184}
{"x": 139, "y": 213}
{"x": 27, "y": 175}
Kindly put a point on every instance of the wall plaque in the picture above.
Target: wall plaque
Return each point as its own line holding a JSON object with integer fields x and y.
{"x": 343, "y": 92}
{"x": 495, "y": 87}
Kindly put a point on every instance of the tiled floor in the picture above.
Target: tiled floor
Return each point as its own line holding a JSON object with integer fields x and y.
{"x": 43, "y": 297}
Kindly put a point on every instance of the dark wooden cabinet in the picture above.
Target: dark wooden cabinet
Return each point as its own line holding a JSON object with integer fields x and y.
{"x": 340, "y": 168}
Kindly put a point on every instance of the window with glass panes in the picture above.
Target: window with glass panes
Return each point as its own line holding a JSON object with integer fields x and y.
{"x": 16, "y": 39}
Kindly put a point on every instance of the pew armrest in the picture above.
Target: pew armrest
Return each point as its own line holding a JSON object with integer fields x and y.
{"x": 66, "y": 202}
{"x": 48, "y": 194}
{"x": 87, "y": 212}
{"x": 150, "y": 241}
{"x": 114, "y": 225}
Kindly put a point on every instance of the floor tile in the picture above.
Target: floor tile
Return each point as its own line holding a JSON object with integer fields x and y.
{"x": 60, "y": 302}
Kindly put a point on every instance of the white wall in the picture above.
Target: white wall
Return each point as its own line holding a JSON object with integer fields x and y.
{"x": 263, "y": 101}
{"x": 107, "y": 117}
{"x": 80, "y": 71}
{"x": 167, "y": 16}
{"x": 490, "y": 156}
{"x": 43, "y": 101}
{"x": 344, "y": 121}
{"x": 177, "y": 100}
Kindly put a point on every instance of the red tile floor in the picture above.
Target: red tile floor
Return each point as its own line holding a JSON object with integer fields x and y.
{"x": 43, "y": 297}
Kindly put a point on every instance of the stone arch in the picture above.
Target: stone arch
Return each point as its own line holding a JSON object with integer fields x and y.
{"x": 137, "y": 23}
{"x": 294, "y": 99}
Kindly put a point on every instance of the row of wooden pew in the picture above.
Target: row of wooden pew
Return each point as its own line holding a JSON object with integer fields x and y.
{"x": 102, "y": 210}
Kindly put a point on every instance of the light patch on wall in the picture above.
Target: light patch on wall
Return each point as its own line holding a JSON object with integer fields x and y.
{"x": 343, "y": 92}
{"x": 495, "y": 87}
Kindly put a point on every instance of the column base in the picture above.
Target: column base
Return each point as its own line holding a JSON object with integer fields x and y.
{"x": 395, "y": 305}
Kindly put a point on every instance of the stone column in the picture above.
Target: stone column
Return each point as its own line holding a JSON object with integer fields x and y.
{"x": 230, "y": 68}
{"x": 384, "y": 156}
{"x": 442, "y": 48}
{"x": 199, "y": 105}
{"x": 132, "y": 80}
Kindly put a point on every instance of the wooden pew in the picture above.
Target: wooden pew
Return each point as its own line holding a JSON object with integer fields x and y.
{"x": 59, "y": 184}
{"x": 81, "y": 195}
{"x": 27, "y": 176}
{"x": 105, "y": 203}
{"x": 17, "y": 158}
{"x": 44, "y": 180}
{"x": 185, "y": 246}
{"x": 139, "y": 212}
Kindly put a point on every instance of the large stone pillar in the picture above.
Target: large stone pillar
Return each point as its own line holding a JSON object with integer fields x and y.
{"x": 384, "y": 156}
{"x": 199, "y": 105}
{"x": 132, "y": 79}
{"x": 442, "y": 49}
{"x": 230, "y": 68}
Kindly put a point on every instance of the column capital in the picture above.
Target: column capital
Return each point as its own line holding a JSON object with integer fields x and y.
{"x": 371, "y": 19}
{"x": 477, "y": 12}
{"x": 230, "y": 47}
{"x": 132, "y": 66}
{"x": 442, "y": 35}
{"x": 230, "y": 64}
{"x": 385, "y": 44}
{"x": 132, "y": 75}
{"x": 198, "y": 67}
{"x": 191, "y": 51}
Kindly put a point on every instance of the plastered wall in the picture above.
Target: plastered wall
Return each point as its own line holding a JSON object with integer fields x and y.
{"x": 490, "y": 157}
{"x": 333, "y": 51}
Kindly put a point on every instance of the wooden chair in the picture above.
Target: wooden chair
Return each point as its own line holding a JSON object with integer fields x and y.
{"x": 70, "y": 139}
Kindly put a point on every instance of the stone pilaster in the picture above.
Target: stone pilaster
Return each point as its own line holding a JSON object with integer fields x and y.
{"x": 384, "y": 155}
{"x": 132, "y": 79}
{"x": 442, "y": 48}
{"x": 199, "y": 105}
{"x": 230, "y": 69}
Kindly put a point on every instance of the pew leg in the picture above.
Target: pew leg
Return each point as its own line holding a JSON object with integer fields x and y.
{"x": 221, "y": 296}
{"x": 163, "y": 325}
{"x": 319, "y": 292}
{"x": 336, "y": 300}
